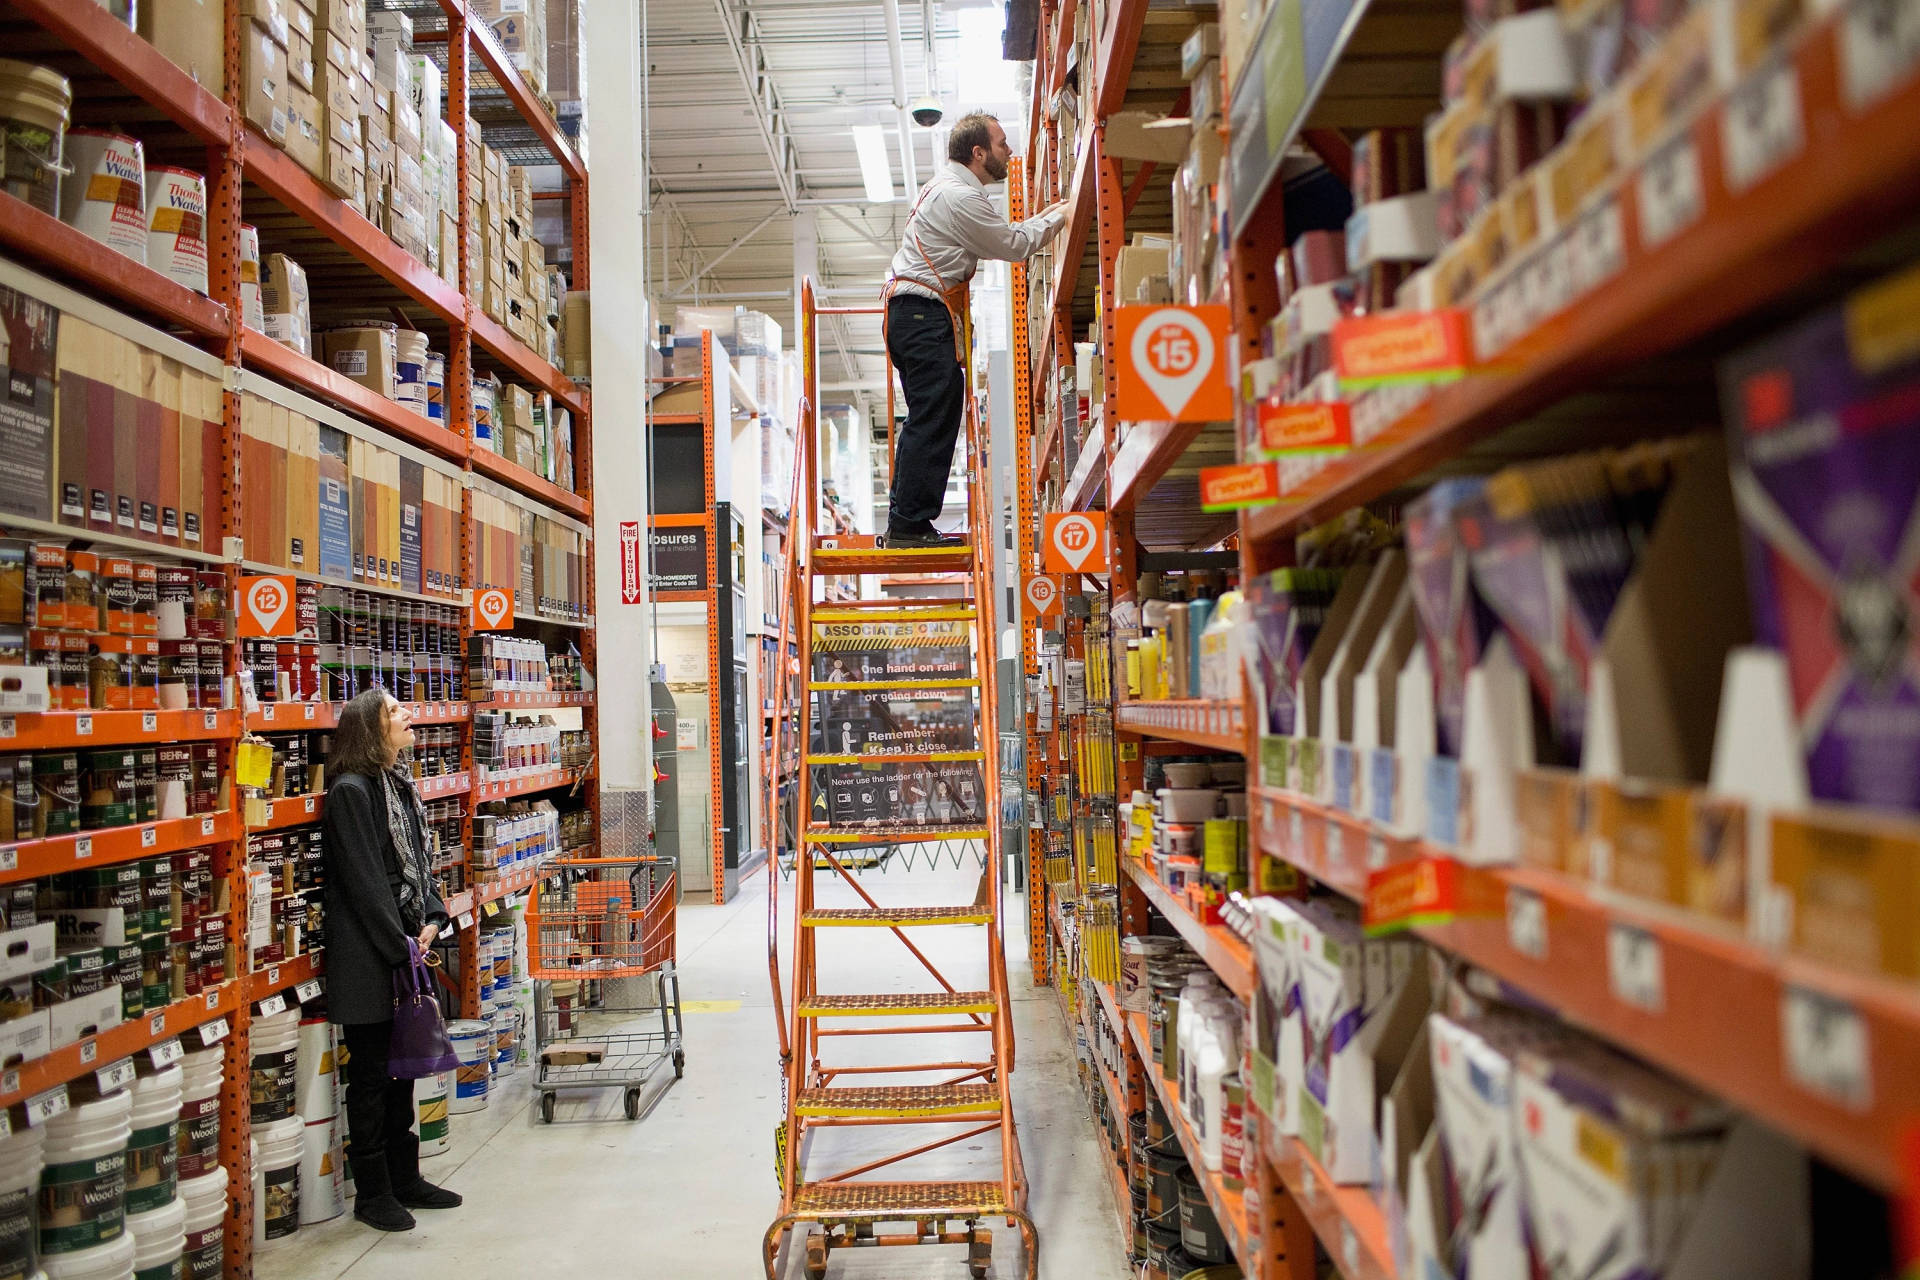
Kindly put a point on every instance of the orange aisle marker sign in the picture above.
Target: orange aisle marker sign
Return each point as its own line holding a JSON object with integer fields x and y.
{"x": 1043, "y": 595}
{"x": 493, "y": 609}
{"x": 266, "y": 606}
{"x": 1074, "y": 542}
{"x": 1173, "y": 364}
{"x": 1243, "y": 484}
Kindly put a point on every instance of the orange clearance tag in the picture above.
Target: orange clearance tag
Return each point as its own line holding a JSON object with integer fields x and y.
{"x": 1172, "y": 364}
{"x": 493, "y": 609}
{"x": 1299, "y": 430}
{"x": 1423, "y": 892}
{"x": 266, "y": 606}
{"x": 1244, "y": 484}
{"x": 1402, "y": 346}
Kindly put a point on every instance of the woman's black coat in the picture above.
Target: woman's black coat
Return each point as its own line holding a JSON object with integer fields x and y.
{"x": 365, "y": 939}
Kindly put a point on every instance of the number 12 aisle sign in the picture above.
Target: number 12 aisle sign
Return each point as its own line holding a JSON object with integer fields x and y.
{"x": 1172, "y": 364}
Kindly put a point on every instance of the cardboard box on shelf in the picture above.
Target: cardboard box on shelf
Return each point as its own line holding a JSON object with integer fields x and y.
{"x": 300, "y": 59}
{"x": 365, "y": 354}
{"x": 306, "y": 137}
{"x": 263, "y": 83}
{"x": 344, "y": 173}
{"x": 344, "y": 18}
{"x": 428, "y": 98}
{"x": 269, "y": 15}
{"x": 566, "y": 55}
{"x": 191, "y": 34}
{"x": 284, "y": 299}
{"x": 405, "y": 130}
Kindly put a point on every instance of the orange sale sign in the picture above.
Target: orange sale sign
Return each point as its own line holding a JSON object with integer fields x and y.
{"x": 1242, "y": 484}
{"x": 1296, "y": 430}
{"x": 266, "y": 606}
{"x": 1172, "y": 364}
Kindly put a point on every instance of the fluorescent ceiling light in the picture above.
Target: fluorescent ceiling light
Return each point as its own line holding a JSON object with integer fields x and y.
{"x": 870, "y": 140}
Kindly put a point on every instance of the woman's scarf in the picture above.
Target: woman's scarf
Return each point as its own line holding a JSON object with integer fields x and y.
{"x": 402, "y": 798}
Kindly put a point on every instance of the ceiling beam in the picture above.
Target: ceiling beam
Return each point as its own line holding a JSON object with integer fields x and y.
{"x": 758, "y": 82}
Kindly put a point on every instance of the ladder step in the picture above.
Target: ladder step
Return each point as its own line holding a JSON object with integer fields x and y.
{"x": 950, "y": 611}
{"x": 892, "y": 833}
{"x": 893, "y": 917}
{"x": 900, "y": 757}
{"x": 830, "y": 562}
{"x": 900, "y": 1201}
{"x": 881, "y": 686}
{"x": 897, "y": 1004}
{"x": 903, "y": 1101}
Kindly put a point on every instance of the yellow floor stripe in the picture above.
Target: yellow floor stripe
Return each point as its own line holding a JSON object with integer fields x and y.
{"x": 835, "y": 686}
{"x": 904, "y": 757}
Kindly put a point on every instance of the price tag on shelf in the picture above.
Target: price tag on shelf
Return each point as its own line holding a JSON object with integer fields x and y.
{"x": 83, "y": 726}
{"x": 206, "y": 825}
{"x": 490, "y": 909}
{"x": 1296, "y": 833}
{"x": 1527, "y": 923}
{"x": 465, "y": 921}
{"x": 83, "y": 848}
{"x": 272, "y": 1005}
{"x": 308, "y": 990}
{"x": 6, "y": 1125}
{"x": 1635, "y": 968}
{"x": 273, "y": 975}
{"x": 309, "y": 708}
{"x": 8, "y": 727}
{"x": 1761, "y": 127}
{"x": 212, "y": 999}
{"x": 212, "y": 1033}
{"x": 1376, "y": 852}
{"x": 149, "y": 722}
{"x": 157, "y": 1024}
{"x": 210, "y": 721}
{"x": 42, "y": 1107}
{"x": 1827, "y": 1047}
{"x": 10, "y": 858}
{"x": 1670, "y": 192}
{"x": 1879, "y": 47}
{"x": 164, "y": 1053}
{"x": 309, "y": 803}
{"x": 114, "y": 1076}
{"x": 89, "y": 1050}
{"x": 266, "y": 712}
{"x": 1336, "y": 844}
{"x": 149, "y": 837}
{"x": 1600, "y": 246}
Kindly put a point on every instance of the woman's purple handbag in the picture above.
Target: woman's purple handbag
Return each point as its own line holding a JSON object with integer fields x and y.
{"x": 420, "y": 1047}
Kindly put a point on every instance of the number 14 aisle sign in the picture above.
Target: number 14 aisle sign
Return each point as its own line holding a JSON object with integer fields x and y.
{"x": 1172, "y": 364}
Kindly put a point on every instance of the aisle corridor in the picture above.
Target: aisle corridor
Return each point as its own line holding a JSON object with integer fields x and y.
{"x": 689, "y": 1190}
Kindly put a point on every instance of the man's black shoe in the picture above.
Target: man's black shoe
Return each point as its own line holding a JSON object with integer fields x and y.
{"x": 931, "y": 538}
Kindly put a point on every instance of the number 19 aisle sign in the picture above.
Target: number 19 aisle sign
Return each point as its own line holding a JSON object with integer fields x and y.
{"x": 1172, "y": 364}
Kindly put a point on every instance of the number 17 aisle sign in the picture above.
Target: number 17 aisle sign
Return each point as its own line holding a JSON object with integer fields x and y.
{"x": 1172, "y": 364}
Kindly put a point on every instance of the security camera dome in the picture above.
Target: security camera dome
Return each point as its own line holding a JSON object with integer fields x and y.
{"x": 926, "y": 111}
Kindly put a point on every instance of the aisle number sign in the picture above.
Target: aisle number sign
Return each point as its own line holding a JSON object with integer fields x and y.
{"x": 1173, "y": 364}
{"x": 1073, "y": 541}
{"x": 1043, "y": 595}
{"x": 266, "y": 606}
{"x": 493, "y": 609}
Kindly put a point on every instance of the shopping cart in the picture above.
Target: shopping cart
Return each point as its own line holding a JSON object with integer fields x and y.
{"x": 596, "y": 931}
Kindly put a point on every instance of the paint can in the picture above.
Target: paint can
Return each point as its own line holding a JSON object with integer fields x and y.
{"x": 34, "y": 102}
{"x": 105, "y": 192}
{"x": 177, "y": 226}
{"x": 473, "y": 1045}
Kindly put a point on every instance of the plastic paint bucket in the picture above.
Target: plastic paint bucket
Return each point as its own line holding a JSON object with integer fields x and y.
{"x": 177, "y": 226}
{"x": 436, "y": 387}
{"x": 473, "y": 1045}
{"x": 83, "y": 1187}
{"x": 252, "y": 312}
{"x": 199, "y": 1151}
{"x": 159, "y": 1236}
{"x": 323, "y": 1190}
{"x": 410, "y": 370}
{"x": 502, "y": 1023}
{"x": 204, "y": 1256}
{"x": 316, "y": 1081}
{"x": 153, "y": 1148}
{"x": 105, "y": 192}
{"x": 34, "y": 102}
{"x": 274, "y": 1067}
{"x": 430, "y": 1098}
{"x": 276, "y": 1205}
{"x": 110, "y": 1261}
{"x": 20, "y": 1155}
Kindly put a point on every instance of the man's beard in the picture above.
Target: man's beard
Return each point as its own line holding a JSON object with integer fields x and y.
{"x": 996, "y": 169}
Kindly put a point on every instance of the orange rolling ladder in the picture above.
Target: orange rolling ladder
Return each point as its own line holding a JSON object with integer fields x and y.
{"x": 955, "y": 1046}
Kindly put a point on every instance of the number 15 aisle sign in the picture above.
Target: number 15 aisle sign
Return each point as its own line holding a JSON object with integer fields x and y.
{"x": 1172, "y": 364}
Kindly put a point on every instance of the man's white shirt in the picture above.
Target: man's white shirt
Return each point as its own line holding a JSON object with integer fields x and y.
{"x": 955, "y": 226}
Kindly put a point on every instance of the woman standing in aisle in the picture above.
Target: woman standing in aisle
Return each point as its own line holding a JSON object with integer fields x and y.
{"x": 379, "y": 897}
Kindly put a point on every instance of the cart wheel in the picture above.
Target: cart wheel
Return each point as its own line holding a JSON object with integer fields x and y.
{"x": 817, "y": 1256}
{"x": 679, "y": 1063}
{"x": 633, "y": 1104}
{"x": 980, "y": 1254}
{"x": 546, "y": 1108}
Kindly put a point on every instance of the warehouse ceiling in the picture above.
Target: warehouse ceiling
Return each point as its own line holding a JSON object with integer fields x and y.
{"x": 752, "y": 104}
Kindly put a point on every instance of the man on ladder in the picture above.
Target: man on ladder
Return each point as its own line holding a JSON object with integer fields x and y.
{"x": 952, "y": 226}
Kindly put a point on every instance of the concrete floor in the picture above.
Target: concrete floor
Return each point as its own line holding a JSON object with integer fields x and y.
{"x": 689, "y": 1190}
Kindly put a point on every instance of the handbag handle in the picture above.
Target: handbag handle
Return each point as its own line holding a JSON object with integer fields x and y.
{"x": 412, "y": 980}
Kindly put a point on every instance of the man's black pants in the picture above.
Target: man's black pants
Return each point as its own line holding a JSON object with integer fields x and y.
{"x": 381, "y": 1146}
{"x": 920, "y": 343}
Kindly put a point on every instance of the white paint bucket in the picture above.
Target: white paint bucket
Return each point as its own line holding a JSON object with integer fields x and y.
{"x": 159, "y": 1236}
{"x": 34, "y": 106}
{"x": 153, "y": 1147}
{"x": 276, "y": 1204}
{"x": 473, "y": 1045}
{"x": 105, "y": 194}
{"x": 199, "y": 1151}
{"x": 252, "y": 313}
{"x": 437, "y": 387}
{"x": 316, "y": 1079}
{"x": 501, "y": 1020}
{"x": 431, "y": 1096}
{"x": 323, "y": 1188}
{"x": 410, "y": 370}
{"x": 83, "y": 1186}
{"x": 20, "y": 1156}
{"x": 275, "y": 1046}
{"x": 204, "y": 1255}
{"x": 110, "y": 1261}
{"x": 177, "y": 226}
